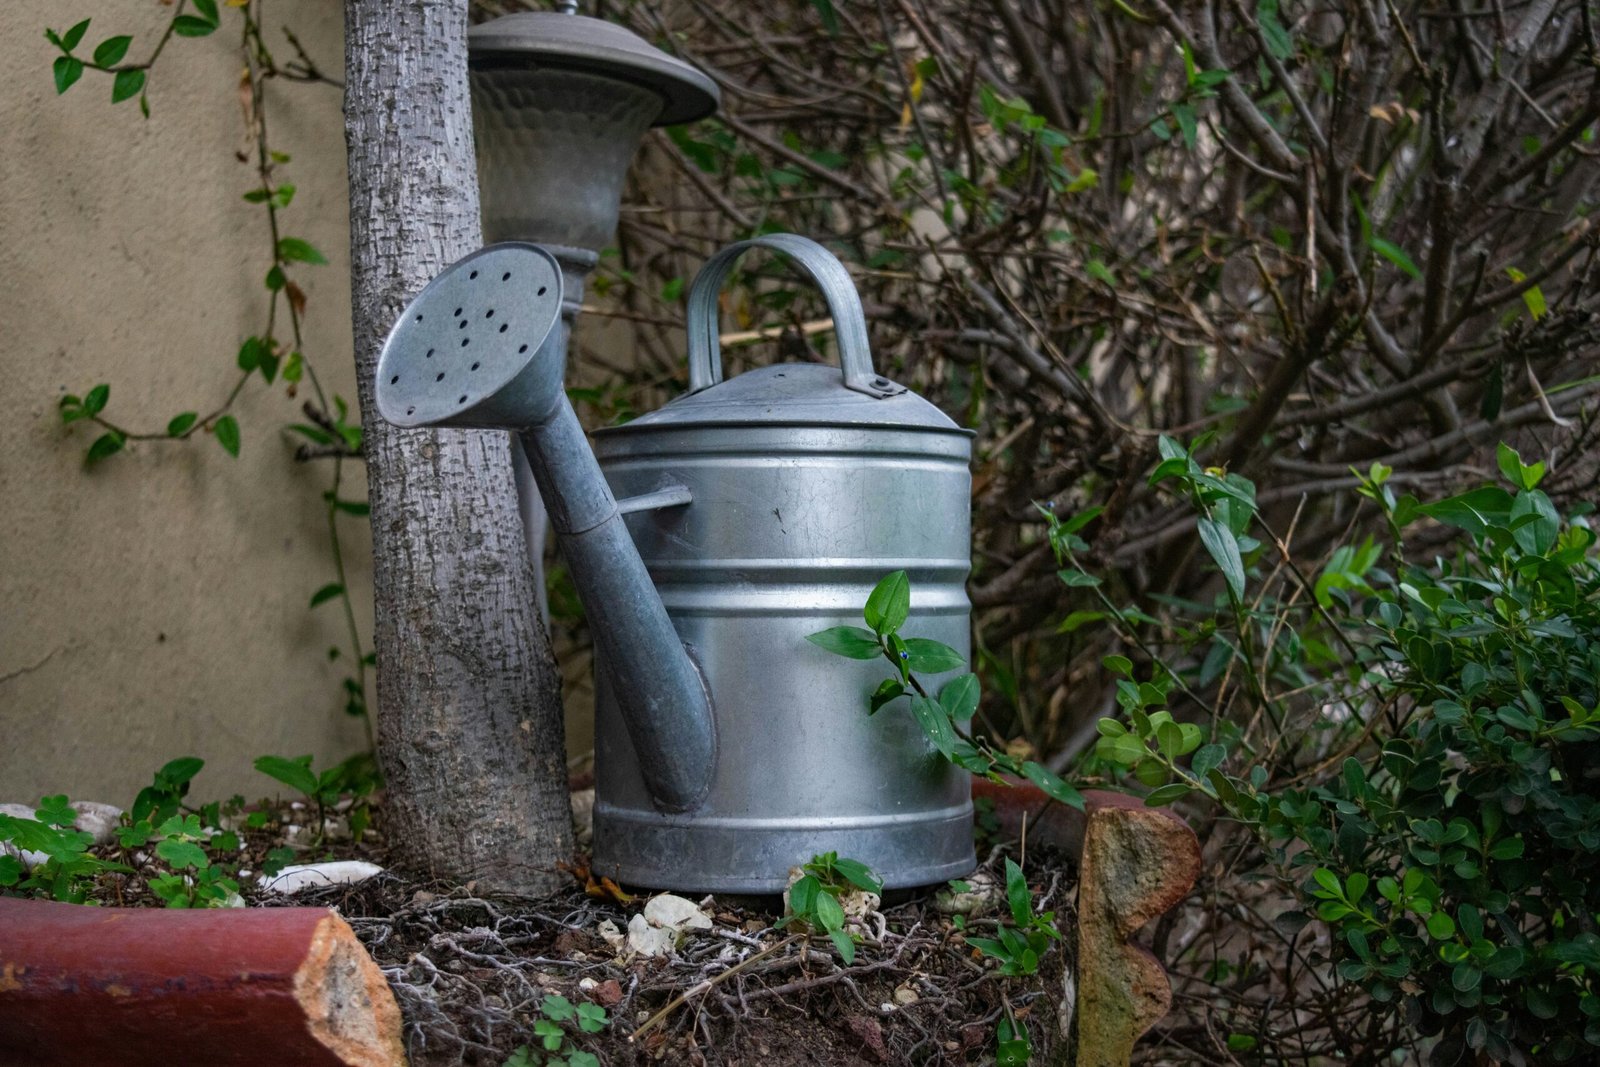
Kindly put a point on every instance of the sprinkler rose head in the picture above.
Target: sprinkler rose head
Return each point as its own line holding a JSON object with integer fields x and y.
{"x": 480, "y": 346}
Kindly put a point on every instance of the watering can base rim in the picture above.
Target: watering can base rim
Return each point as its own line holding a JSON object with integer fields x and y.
{"x": 664, "y": 852}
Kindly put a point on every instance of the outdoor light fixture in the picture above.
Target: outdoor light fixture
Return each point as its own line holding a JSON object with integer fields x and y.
{"x": 559, "y": 104}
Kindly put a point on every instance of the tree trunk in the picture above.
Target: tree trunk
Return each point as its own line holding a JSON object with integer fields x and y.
{"x": 469, "y": 721}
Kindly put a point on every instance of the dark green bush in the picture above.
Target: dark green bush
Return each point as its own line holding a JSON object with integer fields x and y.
{"x": 1454, "y": 853}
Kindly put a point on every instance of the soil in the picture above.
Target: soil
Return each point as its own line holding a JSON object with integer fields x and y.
{"x": 470, "y": 973}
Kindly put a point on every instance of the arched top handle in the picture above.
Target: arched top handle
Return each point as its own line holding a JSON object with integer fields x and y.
{"x": 849, "y": 322}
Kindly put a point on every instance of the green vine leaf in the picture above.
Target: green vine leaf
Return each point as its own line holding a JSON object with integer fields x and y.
{"x": 126, "y": 85}
{"x": 111, "y": 50}
{"x": 107, "y": 444}
{"x": 67, "y": 70}
{"x": 227, "y": 430}
{"x": 294, "y": 250}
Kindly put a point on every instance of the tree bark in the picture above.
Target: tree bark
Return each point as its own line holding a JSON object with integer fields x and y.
{"x": 470, "y": 734}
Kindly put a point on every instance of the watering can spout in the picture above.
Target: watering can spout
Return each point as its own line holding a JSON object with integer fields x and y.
{"x": 483, "y": 346}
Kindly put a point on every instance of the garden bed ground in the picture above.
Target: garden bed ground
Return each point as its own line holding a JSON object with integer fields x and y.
{"x": 471, "y": 973}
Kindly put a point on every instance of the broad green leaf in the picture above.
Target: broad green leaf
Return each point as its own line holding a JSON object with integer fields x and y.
{"x": 851, "y": 642}
{"x": 1206, "y": 759}
{"x": 67, "y": 70}
{"x": 177, "y": 773}
{"x": 111, "y": 50}
{"x": 107, "y": 444}
{"x": 932, "y": 657}
{"x": 859, "y": 875}
{"x": 326, "y": 593}
{"x": 294, "y": 250}
{"x": 1167, "y": 794}
{"x": 190, "y": 26}
{"x": 830, "y": 915}
{"x": 70, "y": 39}
{"x": 1077, "y": 578}
{"x": 1017, "y": 896}
{"x": 889, "y": 603}
{"x": 227, "y": 430}
{"x": 1188, "y": 124}
{"x": 1472, "y": 511}
{"x": 126, "y": 85}
{"x": 1100, "y": 272}
{"x": 935, "y": 722}
{"x": 181, "y": 854}
{"x": 1121, "y": 666}
{"x": 1539, "y": 535}
{"x": 95, "y": 401}
{"x": 1396, "y": 255}
{"x": 293, "y": 773}
{"x": 1224, "y": 549}
{"x": 1052, "y": 784}
{"x": 844, "y": 943}
{"x": 181, "y": 423}
{"x": 960, "y": 697}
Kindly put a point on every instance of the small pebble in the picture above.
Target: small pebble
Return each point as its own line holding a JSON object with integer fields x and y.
{"x": 586, "y": 984}
{"x": 904, "y": 995}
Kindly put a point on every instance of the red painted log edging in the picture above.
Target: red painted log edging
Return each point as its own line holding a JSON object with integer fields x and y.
{"x": 233, "y": 987}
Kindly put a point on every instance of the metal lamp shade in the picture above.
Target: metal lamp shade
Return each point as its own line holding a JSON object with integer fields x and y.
{"x": 559, "y": 104}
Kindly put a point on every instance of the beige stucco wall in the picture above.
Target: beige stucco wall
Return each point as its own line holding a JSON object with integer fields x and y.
{"x": 155, "y": 605}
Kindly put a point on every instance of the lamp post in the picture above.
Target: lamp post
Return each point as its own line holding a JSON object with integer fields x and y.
{"x": 560, "y": 102}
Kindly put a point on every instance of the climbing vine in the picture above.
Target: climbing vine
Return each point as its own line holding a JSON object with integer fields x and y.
{"x": 276, "y": 352}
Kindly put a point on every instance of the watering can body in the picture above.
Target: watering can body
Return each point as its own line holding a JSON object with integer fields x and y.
{"x": 707, "y": 540}
{"x": 805, "y": 494}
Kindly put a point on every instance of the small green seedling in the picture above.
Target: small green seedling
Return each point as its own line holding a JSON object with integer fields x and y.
{"x": 814, "y": 898}
{"x": 553, "y": 1037}
{"x": 944, "y": 718}
{"x": 1020, "y": 944}
{"x": 356, "y": 776}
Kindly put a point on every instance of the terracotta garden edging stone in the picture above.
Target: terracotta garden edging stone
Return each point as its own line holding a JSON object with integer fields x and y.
{"x": 234, "y": 986}
{"x": 1134, "y": 863}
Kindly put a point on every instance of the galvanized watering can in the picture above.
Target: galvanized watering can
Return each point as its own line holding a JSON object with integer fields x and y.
{"x": 706, "y": 540}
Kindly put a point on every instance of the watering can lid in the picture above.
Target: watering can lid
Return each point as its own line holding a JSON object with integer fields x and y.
{"x": 577, "y": 42}
{"x": 792, "y": 394}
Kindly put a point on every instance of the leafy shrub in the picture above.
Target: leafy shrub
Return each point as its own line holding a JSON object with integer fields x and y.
{"x": 1454, "y": 854}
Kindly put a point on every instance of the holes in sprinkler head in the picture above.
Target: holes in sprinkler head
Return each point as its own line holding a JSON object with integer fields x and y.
{"x": 474, "y": 274}
{"x": 504, "y": 326}
{"x": 439, "y": 377}
{"x": 462, "y": 325}
{"x": 419, "y": 318}
{"x": 475, "y": 366}
{"x": 463, "y": 400}
{"x": 396, "y": 378}
{"x": 465, "y": 341}
{"x": 429, "y": 355}
{"x": 506, "y": 277}
{"x": 543, "y": 289}
{"x": 489, "y": 314}
{"x": 411, "y": 411}
{"x": 457, "y": 315}
{"x": 521, "y": 350}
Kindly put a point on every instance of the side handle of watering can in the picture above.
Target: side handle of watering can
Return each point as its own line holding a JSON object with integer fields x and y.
{"x": 849, "y": 322}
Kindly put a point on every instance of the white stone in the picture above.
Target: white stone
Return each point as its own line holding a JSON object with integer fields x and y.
{"x": 675, "y": 913}
{"x": 647, "y": 940}
{"x": 28, "y": 856}
{"x": 587, "y": 984}
{"x": 982, "y": 896}
{"x": 611, "y": 935}
{"x": 101, "y": 820}
{"x": 904, "y": 995}
{"x": 294, "y": 878}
